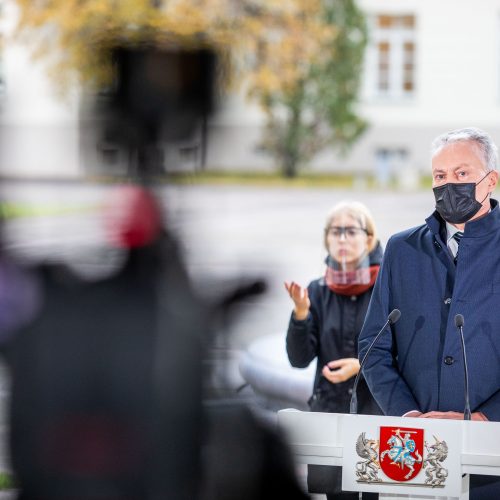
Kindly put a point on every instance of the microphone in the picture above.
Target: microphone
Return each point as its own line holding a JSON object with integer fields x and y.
{"x": 391, "y": 319}
{"x": 459, "y": 323}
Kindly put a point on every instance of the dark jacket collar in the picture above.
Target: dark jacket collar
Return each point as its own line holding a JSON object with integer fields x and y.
{"x": 376, "y": 254}
{"x": 478, "y": 227}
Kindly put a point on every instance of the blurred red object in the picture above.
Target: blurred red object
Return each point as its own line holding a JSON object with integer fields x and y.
{"x": 132, "y": 217}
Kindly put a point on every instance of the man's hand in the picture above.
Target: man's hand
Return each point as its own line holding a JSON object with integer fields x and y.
{"x": 340, "y": 370}
{"x": 300, "y": 298}
{"x": 454, "y": 415}
{"x": 413, "y": 414}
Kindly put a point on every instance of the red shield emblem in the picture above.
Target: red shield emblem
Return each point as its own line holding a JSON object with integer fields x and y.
{"x": 401, "y": 452}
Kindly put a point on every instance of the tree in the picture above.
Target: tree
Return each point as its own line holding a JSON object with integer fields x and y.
{"x": 299, "y": 58}
{"x": 74, "y": 35}
{"x": 315, "y": 106}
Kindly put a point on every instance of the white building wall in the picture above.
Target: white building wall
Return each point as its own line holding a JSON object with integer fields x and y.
{"x": 234, "y": 135}
{"x": 38, "y": 127}
{"x": 457, "y": 64}
{"x": 456, "y": 77}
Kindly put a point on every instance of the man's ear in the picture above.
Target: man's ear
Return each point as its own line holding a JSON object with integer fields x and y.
{"x": 493, "y": 180}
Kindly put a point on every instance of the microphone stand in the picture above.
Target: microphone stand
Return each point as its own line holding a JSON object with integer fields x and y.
{"x": 459, "y": 323}
{"x": 392, "y": 318}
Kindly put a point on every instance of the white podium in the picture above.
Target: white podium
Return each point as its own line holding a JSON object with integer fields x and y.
{"x": 407, "y": 458}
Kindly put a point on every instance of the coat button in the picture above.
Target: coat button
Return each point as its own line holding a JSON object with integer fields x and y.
{"x": 449, "y": 360}
{"x": 447, "y": 301}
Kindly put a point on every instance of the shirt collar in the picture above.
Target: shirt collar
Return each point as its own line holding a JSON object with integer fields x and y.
{"x": 450, "y": 232}
{"x": 451, "y": 229}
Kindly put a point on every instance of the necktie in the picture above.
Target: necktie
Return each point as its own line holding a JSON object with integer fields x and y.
{"x": 457, "y": 237}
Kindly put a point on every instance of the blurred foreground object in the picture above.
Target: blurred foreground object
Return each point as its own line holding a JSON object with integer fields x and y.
{"x": 107, "y": 384}
{"x": 247, "y": 459}
{"x": 105, "y": 401}
{"x": 107, "y": 377}
{"x": 159, "y": 96}
{"x": 132, "y": 218}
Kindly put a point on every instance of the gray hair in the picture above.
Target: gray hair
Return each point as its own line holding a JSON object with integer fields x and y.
{"x": 481, "y": 139}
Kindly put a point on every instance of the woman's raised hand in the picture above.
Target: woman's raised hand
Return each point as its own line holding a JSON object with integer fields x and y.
{"x": 300, "y": 298}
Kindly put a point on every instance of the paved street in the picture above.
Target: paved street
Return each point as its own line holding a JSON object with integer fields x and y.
{"x": 272, "y": 233}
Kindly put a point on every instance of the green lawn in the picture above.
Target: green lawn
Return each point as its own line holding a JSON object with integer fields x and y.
{"x": 7, "y": 481}
{"x": 345, "y": 181}
{"x": 12, "y": 210}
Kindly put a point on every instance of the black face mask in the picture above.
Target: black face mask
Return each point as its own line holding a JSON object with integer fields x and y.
{"x": 456, "y": 202}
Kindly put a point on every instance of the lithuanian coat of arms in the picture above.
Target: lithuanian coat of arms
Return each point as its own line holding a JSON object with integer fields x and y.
{"x": 400, "y": 455}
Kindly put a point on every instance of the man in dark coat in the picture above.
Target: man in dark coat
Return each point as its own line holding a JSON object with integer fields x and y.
{"x": 447, "y": 266}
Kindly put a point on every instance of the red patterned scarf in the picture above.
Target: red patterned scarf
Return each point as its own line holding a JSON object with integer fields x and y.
{"x": 354, "y": 282}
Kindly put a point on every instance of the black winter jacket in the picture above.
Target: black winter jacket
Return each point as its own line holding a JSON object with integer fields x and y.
{"x": 331, "y": 332}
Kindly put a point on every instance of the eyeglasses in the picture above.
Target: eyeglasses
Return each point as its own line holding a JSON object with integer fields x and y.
{"x": 349, "y": 232}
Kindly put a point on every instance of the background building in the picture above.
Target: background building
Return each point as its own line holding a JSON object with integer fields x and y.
{"x": 430, "y": 66}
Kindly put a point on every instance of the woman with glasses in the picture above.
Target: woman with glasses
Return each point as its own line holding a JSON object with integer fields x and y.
{"x": 326, "y": 321}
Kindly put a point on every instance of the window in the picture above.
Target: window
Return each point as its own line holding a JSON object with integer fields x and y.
{"x": 391, "y": 57}
{"x": 389, "y": 163}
